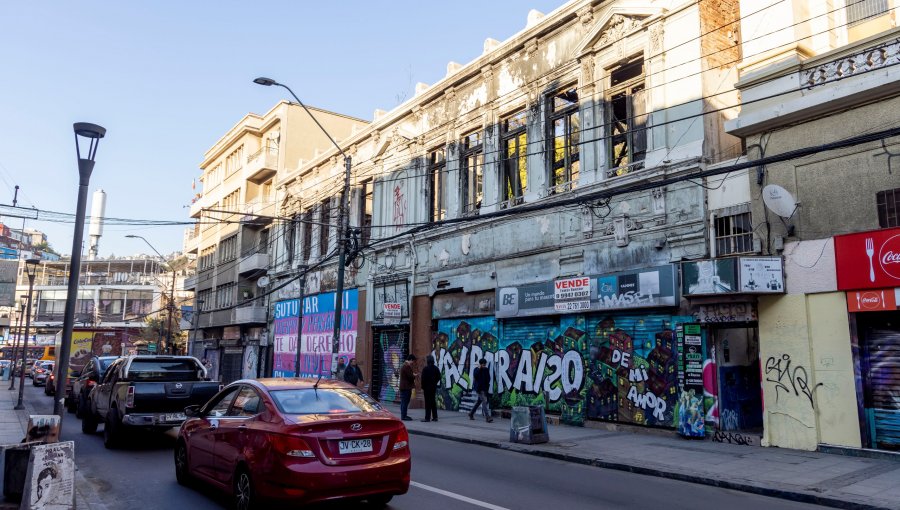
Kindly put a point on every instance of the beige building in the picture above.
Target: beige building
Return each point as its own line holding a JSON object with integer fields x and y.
{"x": 235, "y": 209}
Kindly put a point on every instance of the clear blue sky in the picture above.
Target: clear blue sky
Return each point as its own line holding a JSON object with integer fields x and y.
{"x": 167, "y": 79}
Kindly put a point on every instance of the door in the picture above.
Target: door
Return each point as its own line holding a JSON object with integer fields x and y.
{"x": 232, "y": 363}
{"x": 201, "y": 436}
{"x": 390, "y": 345}
{"x": 881, "y": 348}
{"x": 234, "y": 432}
{"x": 739, "y": 394}
{"x": 103, "y": 392}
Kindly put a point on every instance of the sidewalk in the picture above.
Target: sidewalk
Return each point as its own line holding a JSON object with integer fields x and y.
{"x": 827, "y": 479}
{"x": 13, "y": 424}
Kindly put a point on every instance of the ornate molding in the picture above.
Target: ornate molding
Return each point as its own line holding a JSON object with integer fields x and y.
{"x": 618, "y": 26}
{"x": 655, "y": 36}
{"x": 866, "y": 60}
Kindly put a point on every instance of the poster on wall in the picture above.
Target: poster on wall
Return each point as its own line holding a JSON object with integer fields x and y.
{"x": 868, "y": 260}
{"x": 50, "y": 478}
{"x": 317, "y": 332}
{"x": 761, "y": 275}
{"x": 689, "y": 416}
{"x": 716, "y": 276}
{"x": 251, "y": 362}
{"x": 285, "y": 327}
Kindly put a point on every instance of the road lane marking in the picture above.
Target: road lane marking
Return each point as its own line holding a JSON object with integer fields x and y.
{"x": 456, "y": 496}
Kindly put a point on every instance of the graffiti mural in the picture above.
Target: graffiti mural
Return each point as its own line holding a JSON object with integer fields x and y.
{"x": 391, "y": 345}
{"x": 607, "y": 368}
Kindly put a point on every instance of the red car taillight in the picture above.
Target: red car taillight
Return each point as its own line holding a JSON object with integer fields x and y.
{"x": 40, "y": 370}
{"x": 129, "y": 399}
{"x": 91, "y": 384}
{"x": 402, "y": 439}
{"x": 291, "y": 446}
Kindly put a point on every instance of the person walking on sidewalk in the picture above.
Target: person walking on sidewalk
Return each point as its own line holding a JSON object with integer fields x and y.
{"x": 407, "y": 384}
{"x": 431, "y": 376}
{"x": 481, "y": 381}
{"x": 353, "y": 374}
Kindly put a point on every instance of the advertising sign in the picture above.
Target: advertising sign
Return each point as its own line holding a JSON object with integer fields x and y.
{"x": 654, "y": 286}
{"x": 761, "y": 274}
{"x": 317, "y": 332}
{"x": 717, "y": 276}
{"x": 876, "y": 300}
{"x": 8, "y": 272}
{"x": 286, "y": 326}
{"x": 393, "y": 312}
{"x": 525, "y": 300}
{"x": 868, "y": 260}
{"x": 689, "y": 418}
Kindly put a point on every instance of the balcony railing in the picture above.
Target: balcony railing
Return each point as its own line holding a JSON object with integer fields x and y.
{"x": 253, "y": 263}
{"x": 262, "y": 164}
{"x": 250, "y": 314}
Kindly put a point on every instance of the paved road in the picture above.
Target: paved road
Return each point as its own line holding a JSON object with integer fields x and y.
{"x": 446, "y": 475}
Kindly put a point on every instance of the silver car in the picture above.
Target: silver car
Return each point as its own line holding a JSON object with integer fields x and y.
{"x": 41, "y": 372}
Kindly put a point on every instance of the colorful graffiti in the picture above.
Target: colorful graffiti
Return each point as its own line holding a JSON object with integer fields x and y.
{"x": 391, "y": 345}
{"x": 617, "y": 368}
{"x": 317, "y": 332}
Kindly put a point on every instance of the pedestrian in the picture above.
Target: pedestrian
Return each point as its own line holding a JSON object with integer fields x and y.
{"x": 407, "y": 384}
{"x": 353, "y": 374}
{"x": 481, "y": 381}
{"x": 431, "y": 376}
{"x": 339, "y": 371}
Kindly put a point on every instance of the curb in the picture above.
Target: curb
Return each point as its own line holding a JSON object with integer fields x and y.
{"x": 786, "y": 494}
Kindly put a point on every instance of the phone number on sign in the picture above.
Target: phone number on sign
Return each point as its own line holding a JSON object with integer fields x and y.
{"x": 572, "y": 306}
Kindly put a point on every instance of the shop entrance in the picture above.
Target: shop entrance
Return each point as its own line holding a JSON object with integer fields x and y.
{"x": 390, "y": 347}
{"x": 880, "y": 343}
{"x": 735, "y": 351}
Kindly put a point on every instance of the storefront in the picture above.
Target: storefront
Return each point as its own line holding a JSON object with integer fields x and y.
{"x": 232, "y": 355}
{"x": 723, "y": 295}
{"x": 390, "y": 337}
{"x": 868, "y": 270}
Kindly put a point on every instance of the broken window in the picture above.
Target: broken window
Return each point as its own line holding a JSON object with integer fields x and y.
{"x": 307, "y": 227}
{"x": 888, "y": 203}
{"x": 324, "y": 226}
{"x": 472, "y": 172}
{"x": 513, "y": 174}
{"x": 565, "y": 129}
{"x": 626, "y": 119}
{"x": 437, "y": 162}
{"x": 734, "y": 234}
{"x": 365, "y": 211}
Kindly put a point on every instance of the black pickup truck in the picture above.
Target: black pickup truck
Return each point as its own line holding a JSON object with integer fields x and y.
{"x": 148, "y": 392}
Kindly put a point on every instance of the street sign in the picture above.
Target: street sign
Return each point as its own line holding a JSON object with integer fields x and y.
{"x": 151, "y": 347}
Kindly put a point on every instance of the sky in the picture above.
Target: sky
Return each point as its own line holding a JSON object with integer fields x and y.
{"x": 167, "y": 79}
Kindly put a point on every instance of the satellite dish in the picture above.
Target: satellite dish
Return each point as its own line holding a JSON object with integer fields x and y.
{"x": 779, "y": 201}
{"x": 262, "y": 282}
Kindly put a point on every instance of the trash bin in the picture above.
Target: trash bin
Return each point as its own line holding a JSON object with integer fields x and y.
{"x": 15, "y": 467}
{"x": 528, "y": 424}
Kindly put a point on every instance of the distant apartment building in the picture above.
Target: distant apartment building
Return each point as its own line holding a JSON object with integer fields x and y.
{"x": 235, "y": 209}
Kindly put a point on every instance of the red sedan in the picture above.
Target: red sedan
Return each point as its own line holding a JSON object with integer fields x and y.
{"x": 294, "y": 441}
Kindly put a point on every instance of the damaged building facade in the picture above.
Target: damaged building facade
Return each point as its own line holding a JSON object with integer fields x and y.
{"x": 533, "y": 208}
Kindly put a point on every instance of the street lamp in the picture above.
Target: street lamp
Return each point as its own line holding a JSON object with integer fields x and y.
{"x": 343, "y": 218}
{"x": 171, "y": 306}
{"x": 31, "y": 266}
{"x": 15, "y": 353}
{"x": 87, "y": 135}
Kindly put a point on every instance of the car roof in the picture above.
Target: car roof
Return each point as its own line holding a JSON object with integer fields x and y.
{"x": 105, "y": 358}
{"x": 295, "y": 383}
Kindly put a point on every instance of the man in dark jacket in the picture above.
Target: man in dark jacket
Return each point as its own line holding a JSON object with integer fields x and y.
{"x": 481, "y": 382}
{"x": 407, "y": 384}
{"x": 353, "y": 374}
{"x": 431, "y": 376}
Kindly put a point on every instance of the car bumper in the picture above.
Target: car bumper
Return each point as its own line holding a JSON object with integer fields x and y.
{"x": 151, "y": 421}
{"x": 312, "y": 482}
{"x": 40, "y": 379}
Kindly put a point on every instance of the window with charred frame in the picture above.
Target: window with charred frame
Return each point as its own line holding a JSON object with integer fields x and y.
{"x": 437, "y": 164}
{"x": 306, "y": 225}
{"x": 888, "y": 204}
{"x": 324, "y": 226}
{"x": 564, "y": 131}
{"x": 626, "y": 119}
{"x": 472, "y": 172}
{"x": 290, "y": 238}
{"x": 365, "y": 211}
{"x": 514, "y": 170}
{"x": 734, "y": 234}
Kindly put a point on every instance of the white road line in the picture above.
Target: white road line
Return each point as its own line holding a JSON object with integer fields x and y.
{"x": 457, "y": 496}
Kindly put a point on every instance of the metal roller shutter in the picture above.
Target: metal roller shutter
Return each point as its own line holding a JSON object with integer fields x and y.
{"x": 882, "y": 348}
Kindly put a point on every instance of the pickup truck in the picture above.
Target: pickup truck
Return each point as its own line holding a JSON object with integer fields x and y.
{"x": 145, "y": 392}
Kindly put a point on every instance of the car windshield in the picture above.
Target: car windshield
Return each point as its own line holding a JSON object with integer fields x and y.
{"x": 163, "y": 370}
{"x": 324, "y": 401}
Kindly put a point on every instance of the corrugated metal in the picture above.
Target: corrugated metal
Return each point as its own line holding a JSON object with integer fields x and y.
{"x": 526, "y": 331}
{"x": 882, "y": 350}
{"x": 391, "y": 346}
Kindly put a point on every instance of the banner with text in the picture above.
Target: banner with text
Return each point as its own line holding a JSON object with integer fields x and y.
{"x": 318, "y": 329}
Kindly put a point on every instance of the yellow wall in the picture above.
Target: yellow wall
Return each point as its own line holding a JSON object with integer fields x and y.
{"x": 808, "y": 382}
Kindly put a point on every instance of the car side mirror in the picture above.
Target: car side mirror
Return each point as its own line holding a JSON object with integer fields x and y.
{"x": 192, "y": 411}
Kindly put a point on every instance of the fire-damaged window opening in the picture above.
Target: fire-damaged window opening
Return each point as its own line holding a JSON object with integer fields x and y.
{"x": 888, "y": 203}
{"x": 290, "y": 238}
{"x": 324, "y": 226}
{"x": 437, "y": 163}
{"x": 565, "y": 128}
{"x": 365, "y": 211}
{"x": 514, "y": 173}
{"x": 734, "y": 234}
{"x": 307, "y": 235}
{"x": 472, "y": 172}
{"x": 626, "y": 119}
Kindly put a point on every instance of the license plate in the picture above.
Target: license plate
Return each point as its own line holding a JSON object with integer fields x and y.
{"x": 173, "y": 417}
{"x": 355, "y": 446}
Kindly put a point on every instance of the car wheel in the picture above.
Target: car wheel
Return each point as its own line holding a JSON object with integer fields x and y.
{"x": 182, "y": 471}
{"x": 79, "y": 408}
{"x": 380, "y": 501}
{"x": 89, "y": 423}
{"x": 244, "y": 495}
{"x": 112, "y": 429}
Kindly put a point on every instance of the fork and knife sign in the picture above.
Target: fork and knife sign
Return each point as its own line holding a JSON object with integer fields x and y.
{"x": 870, "y": 252}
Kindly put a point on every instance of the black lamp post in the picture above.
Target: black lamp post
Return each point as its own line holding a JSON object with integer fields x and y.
{"x": 31, "y": 266}
{"x": 343, "y": 217}
{"x": 15, "y": 352}
{"x": 198, "y": 305}
{"x": 171, "y": 307}
{"x": 88, "y": 135}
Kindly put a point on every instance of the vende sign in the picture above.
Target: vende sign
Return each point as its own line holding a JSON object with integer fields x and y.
{"x": 572, "y": 288}
{"x": 868, "y": 260}
{"x": 392, "y": 310}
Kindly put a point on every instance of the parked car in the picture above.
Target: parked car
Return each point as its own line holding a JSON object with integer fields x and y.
{"x": 91, "y": 376}
{"x": 146, "y": 392}
{"x": 28, "y": 364}
{"x": 50, "y": 387}
{"x": 294, "y": 441}
{"x": 40, "y": 372}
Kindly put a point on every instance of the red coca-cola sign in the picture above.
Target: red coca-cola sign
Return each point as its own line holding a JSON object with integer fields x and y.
{"x": 868, "y": 260}
{"x": 872, "y": 300}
